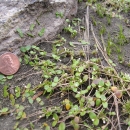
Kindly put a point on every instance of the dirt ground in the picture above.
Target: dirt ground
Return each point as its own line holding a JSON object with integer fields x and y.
{"x": 27, "y": 74}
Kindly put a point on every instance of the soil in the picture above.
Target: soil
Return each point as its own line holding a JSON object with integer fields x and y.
{"x": 27, "y": 74}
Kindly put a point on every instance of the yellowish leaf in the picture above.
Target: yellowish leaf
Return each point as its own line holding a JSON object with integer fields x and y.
{"x": 24, "y": 115}
{"x": 67, "y": 106}
{"x": 45, "y": 124}
{"x": 113, "y": 88}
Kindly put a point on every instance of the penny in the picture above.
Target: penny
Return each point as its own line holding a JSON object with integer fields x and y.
{"x": 9, "y": 63}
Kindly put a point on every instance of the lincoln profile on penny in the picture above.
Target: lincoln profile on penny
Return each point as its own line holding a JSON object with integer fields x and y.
{"x": 9, "y": 63}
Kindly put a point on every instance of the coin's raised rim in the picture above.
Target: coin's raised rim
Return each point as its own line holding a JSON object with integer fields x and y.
{"x": 9, "y": 53}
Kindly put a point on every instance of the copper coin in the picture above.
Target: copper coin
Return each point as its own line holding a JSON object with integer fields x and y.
{"x": 9, "y": 63}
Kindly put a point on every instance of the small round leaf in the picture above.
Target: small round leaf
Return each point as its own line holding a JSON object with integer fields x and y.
{"x": 96, "y": 122}
{"x": 61, "y": 126}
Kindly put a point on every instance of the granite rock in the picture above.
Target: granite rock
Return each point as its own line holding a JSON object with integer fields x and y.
{"x": 41, "y": 14}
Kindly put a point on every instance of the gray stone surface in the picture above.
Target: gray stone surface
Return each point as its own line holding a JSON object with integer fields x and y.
{"x": 22, "y": 13}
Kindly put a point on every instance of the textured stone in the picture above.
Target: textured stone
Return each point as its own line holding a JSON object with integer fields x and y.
{"x": 21, "y": 14}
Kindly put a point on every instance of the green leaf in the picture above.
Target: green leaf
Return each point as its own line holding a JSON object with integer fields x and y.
{"x": 75, "y": 125}
{"x": 101, "y": 89}
{"x": 12, "y": 99}
{"x": 17, "y": 106}
{"x": 56, "y": 79}
{"x": 17, "y": 129}
{"x": 17, "y": 91}
{"x": 23, "y": 115}
{"x": 95, "y": 67}
{"x": 74, "y": 89}
{"x": 16, "y": 125}
{"x": 49, "y": 89}
{"x": 67, "y": 20}
{"x": 61, "y": 126}
{"x": 21, "y": 108}
{"x": 127, "y": 0}
{"x": 101, "y": 83}
{"x": 26, "y": 59}
{"x": 31, "y": 92}
{"x": 92, "y": 115}
{"x": 81, "y": 68}
{"x": 47, "y": 128}
{"x": 19, "y": 32}
{"x": 59, "y": 14}
{"x": 31, "y": 125}
{"x": 82, "y": 27}
{"x": 85, "y": 78}
{"x": 41, "y": 32}
{"x": 23, "y": 49}
{"x": 89, "y": 87}
{"x": 84, "y": 42}
{"x": 110, "y": 61}
{"x": 55, "y": 116}
{"x": 34, "y": 47}
{"x": 25, "y": 129}
{"x": 32, "y": 27}
{"x": 82, "y": 99}
{"x": 113, "y": 113}
{"x": 30, "y": 100}
{"x": 46, "y": 87}
{"x": 83, "y": 113}
{"x": 108, "y": 83}
{"x": 41, "y": 103}
{"x": 92, "y": 103}
{"x": 98, "y": 102}
{"x": 71, "y": 44}
{"x": 59, "y": 71}
{"x": 54, "y": 123}
{"x": 103, "y": 98}
{"x": 76, "y": 84}
{"x": 28, "y": 85}
{"x": 2, "y": 76}
{"x": 38, "y": 99}
{"x": 53, "y": 84}
{"x": 4, "y": 110}
{"x": 9, "y": 77}
{"x": 97, "y": 94}
{"x": 28, "y": 47}
{"x": 37, "y": 48}
{"x": 56, "y": 57}
{"x": 5, "y": 91}
{"x": 77, "y": 95}
{"x": 26, "y": 94}
{"x": 19, "y": 115}
{"x": 32, "y": 52}
{"x": 87, "y": 126}
{"x": 30, "y": 35}
{"x": 84, "y": 91}
{"x": 3, "y": 80}
{"x": 78, "y": 74}
{"x": 105, "y": 104}
{"x": 43, "y": 53}
{"x": 96, "y": 122}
